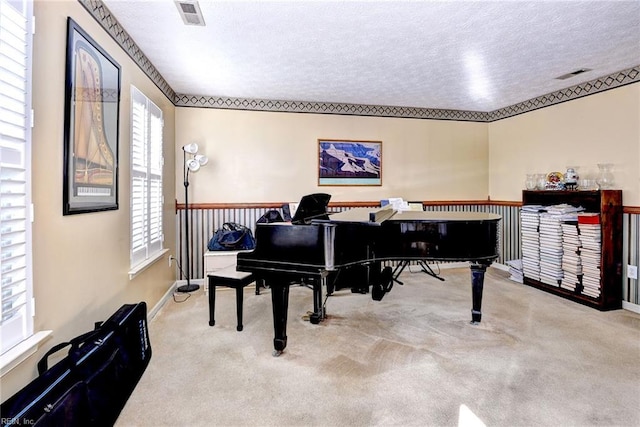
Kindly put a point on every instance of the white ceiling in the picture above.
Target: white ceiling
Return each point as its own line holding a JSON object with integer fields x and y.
{"x": 463, "y": 55}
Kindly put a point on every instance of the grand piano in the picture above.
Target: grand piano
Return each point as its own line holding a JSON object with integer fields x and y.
{"x": 351, "y": 249}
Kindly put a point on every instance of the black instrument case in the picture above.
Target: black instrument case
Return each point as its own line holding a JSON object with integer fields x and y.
{"x": 92, "y": 383}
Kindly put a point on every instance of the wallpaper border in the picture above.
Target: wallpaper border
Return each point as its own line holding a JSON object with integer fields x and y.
{"x": 104, "y": 17}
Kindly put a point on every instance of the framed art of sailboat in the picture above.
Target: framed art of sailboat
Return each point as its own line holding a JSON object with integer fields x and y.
{"x": 92, "y": 106}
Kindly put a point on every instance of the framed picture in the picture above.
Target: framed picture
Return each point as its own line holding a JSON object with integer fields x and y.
{"x": 92, "y": 106}
{"x": 345, "y": 162}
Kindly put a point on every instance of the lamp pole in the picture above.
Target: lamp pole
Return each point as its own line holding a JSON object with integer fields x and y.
{"x": 187, "y": 271}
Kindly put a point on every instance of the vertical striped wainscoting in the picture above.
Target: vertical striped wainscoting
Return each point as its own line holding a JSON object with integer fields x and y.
{"x": 509, "y": 231}
{"x": 204, "y": 222}
{"x": 630, "y": 256}
{"x": 205, "y": 219}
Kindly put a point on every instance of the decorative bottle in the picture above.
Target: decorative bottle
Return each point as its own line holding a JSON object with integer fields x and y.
{"x": 605, "y": 177}
{"x": 571, "y": 178}
{"x": 531, "y": 182}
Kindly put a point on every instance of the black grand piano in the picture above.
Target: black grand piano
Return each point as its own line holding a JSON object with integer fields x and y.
{"x": 350, "y": 249}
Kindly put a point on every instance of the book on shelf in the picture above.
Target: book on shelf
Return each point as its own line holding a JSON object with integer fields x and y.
{"x": 571, "y": 260}
{"x": 532, "y": 208}
{"x": 563, "y": 208}
{"x": 590, "y": 282}
{"x": 572, "y": 270}
{"x": 568, "y": 285}
{"x": 588, "y": 218}
{"x": 592, "y": 294}
{"x": 589, "y": 230}
{"x": 516, "y": 270}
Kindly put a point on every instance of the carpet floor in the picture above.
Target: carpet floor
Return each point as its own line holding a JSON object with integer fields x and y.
{"x": 412, "y": 359}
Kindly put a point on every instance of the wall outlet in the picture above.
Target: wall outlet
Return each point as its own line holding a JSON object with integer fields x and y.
{"x": 170, "y": 259}
{"x": 632, "y": 272}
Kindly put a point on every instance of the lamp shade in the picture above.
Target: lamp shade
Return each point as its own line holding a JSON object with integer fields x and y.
{"x": 191, "y": 148}
{"x": 193, "y": 165}
{"x": 202, "y": 159}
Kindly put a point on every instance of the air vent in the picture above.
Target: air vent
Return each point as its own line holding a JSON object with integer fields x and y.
{"x": 573, "y": 74}
{"x": 190, "y": 12}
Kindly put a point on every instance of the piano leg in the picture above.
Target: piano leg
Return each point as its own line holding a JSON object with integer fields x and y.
{"x": 280, "y": 305}
{"x": 477, "y": 285}
{"x": 318, "y": 314}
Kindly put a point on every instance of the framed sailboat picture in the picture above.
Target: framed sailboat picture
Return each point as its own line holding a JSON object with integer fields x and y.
{"x": 92, "y": 106}
{"x": 348, "y": 162}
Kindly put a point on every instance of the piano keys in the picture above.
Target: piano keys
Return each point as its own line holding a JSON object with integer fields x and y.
{"x": 354, "y": 244}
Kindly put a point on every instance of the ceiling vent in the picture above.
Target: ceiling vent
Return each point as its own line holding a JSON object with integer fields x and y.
{"x": 190, "y": 12}
{"x": 573, "y": 74}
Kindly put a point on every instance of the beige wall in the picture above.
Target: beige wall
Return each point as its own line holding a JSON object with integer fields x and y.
{"x": 602, "y": 128}
{"x": 273, "y": 157}
{"x": 81, "y": 262}
{"x": 262, "y": 156}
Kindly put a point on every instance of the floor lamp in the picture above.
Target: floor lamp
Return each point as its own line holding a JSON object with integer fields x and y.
{"x": 191, "y": 164}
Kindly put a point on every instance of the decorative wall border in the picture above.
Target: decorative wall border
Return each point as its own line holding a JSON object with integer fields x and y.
{"x": 281, "y": 106}
{"x": 104, "y": 17}
{"x": 100, "y": 13}
{"x": 600, "y": 84}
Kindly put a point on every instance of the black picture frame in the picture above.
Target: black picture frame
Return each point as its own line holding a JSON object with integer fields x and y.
{"x": 91, "y": 115}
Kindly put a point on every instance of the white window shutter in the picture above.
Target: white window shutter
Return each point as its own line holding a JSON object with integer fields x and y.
{"x": 16, "y": 317}
{"x": 146, "y": 178}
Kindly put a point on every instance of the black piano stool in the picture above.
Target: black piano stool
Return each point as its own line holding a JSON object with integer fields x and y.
{"x": 233, "y": 279}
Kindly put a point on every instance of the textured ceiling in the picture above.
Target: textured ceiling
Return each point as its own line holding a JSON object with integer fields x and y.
{"x": 462, "y": 55}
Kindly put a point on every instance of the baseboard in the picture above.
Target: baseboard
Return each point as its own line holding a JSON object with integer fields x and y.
{"x": 502, "y": 267}
{"x": 156, "y": 308}
{"x": 631, "y": 307}
{"x": 447, "y": 265}
{"x": 169, "y": 295}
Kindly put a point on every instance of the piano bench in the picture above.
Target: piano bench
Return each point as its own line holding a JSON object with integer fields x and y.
{"x": 231, "y": 278}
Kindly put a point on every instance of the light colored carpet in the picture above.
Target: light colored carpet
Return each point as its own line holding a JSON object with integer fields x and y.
{"x": 411, "y": 359}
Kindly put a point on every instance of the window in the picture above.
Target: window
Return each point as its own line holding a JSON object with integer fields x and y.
{"x": 16, "y": 315}
{"x": 146, "y": 179}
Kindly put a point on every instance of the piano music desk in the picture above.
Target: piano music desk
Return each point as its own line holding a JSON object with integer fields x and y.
{"x": 231, "y": 278}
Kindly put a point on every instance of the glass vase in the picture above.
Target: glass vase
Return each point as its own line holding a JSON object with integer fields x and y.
{"x": 531, "y": 182}
{"x": 605, "y": 176}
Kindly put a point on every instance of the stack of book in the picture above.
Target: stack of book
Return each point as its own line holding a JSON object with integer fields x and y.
{"x": 551, "y": 241}
{"x": 550, "y": 249}
{"x": 590, "y": 240}
{"x": 571, "y": 259}
{"x": 515, "y": 269}
{"x": 529, "y": 223}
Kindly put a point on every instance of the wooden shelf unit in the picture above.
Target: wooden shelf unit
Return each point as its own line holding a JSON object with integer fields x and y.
{"x": 608, "y": 203}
